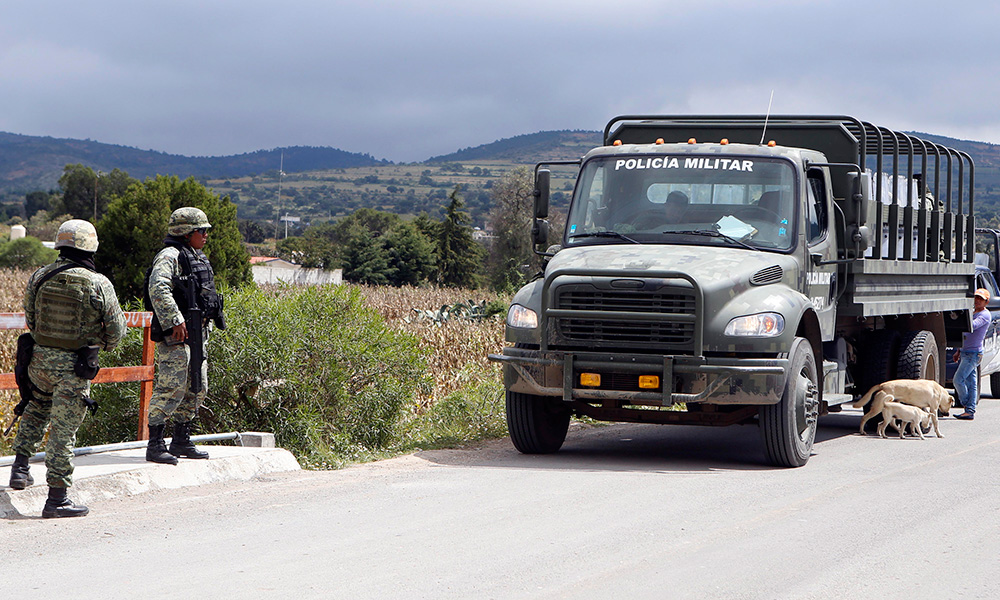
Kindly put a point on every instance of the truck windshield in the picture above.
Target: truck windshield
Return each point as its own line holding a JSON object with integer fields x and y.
{"x": 669, "y": 199}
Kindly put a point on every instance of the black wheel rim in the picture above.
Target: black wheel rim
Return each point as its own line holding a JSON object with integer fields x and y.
{"x": 806, "y": 406}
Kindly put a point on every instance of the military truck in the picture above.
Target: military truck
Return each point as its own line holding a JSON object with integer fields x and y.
{"x": 721, "y": 270}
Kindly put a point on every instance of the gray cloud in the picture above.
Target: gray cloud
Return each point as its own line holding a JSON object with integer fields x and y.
{"x": 406, "y": 80}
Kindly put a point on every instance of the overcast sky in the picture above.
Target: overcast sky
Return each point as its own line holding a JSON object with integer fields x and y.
{"x": 406, "y": 80}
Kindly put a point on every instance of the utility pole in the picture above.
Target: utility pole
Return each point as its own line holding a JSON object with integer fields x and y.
{"x": 97, "y": 179}
{"x": 281, "y": 172}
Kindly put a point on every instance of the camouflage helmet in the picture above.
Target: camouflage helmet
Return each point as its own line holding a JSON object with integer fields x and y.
{"x": 185, "y": 220}
{"x": 77, "y": 233}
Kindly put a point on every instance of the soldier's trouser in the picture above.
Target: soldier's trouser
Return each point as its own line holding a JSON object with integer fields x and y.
{"x": 64, "y": 410}
{"x": 172, "y": 398}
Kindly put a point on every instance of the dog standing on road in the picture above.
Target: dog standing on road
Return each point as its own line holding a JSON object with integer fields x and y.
{"x": 917, "y": 418}
{"x": 922, "y": 393}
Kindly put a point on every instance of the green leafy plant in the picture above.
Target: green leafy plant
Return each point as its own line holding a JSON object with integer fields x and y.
{"x": 316, "y": 367}
{"x": 471, "y": 310}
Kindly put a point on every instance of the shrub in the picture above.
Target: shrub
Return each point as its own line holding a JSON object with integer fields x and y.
{"x": 314, "y": 366}
{"x": 26, "y": 253}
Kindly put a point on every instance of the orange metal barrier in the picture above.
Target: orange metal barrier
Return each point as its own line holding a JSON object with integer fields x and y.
{"x": 142, "y": 373}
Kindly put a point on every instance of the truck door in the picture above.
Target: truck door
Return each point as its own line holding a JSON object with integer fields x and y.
{"x": 991, "y": 344}
{"x": 988, "y": 249}
{"x": 821, "y": 280}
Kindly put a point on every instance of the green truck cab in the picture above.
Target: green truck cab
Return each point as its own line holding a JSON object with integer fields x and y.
{"x": 707, "y": 276}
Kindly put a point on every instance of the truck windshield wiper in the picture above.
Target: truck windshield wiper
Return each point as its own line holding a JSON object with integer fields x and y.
{"x": 716, "y": 234}
{"x": 605, "y": 234}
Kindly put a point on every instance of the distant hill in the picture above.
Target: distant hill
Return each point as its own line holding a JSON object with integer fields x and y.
{"x": 35, "y": 163}
{"x": 529, "y": 148}
{"x": 327, "y": 183}
{"x": 559, "y": 145}
{"x": 985, "y": 154}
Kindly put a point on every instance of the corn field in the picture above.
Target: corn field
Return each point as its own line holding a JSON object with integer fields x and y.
{"x": 458, "y": 347}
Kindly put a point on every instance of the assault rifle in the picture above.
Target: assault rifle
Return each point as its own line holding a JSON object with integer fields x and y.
{"x": 25, "y": 344}
{"x": 196, "y": 334}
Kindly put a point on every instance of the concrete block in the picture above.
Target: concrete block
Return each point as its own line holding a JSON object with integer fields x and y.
{"x": 255, "y": 439}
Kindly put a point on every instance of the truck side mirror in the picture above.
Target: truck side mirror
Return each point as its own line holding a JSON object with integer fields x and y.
{"x": 861, "y": 198}
{"x": 540, "y": 232}
{"x": 542, "y": 194}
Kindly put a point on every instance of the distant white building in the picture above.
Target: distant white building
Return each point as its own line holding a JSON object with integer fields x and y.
{"x": 483, "y": 236}
{"x": 267, "y": 269}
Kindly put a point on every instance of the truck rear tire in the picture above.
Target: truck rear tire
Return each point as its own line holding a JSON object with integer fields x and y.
{"x": 918, "y": 356}
{"x": 537, "y": 424}
{"x": 788, "y": 428}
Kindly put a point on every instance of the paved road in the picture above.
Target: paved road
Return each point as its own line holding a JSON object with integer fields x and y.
{"x": 624, "y": 511}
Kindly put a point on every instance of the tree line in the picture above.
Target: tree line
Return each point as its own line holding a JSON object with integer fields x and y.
{"x": 381, "y": 248}
{"x": 371, "y": 246}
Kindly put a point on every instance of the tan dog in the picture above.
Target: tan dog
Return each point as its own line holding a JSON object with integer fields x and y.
{"x": 922, "y": 393}
{"x": 916, "y": 418}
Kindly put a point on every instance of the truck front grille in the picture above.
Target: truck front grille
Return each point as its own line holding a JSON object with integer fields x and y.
{"x": 605, "y": 331}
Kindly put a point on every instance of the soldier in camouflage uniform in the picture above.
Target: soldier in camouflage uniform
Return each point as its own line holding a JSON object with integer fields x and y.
{"x": 173, "y": 397}
{"x": 68, "y": 307}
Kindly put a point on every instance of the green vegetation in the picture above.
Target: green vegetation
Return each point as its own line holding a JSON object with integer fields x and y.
{"x": 317, "y": 368}
{"x": 86, "y": 194}
{"x": 25, "y": 253}
{"x": 459, "y": 257}
{"x": 406, "y": 190}
{"x": 326, "y": 373}
{"x": 511, "y": 257}
{"x": 471, "y": 310}
{"x": 472, "y": 413}
{"x": 380, "y": 248}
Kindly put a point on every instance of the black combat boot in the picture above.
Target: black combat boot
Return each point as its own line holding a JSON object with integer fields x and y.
{"x": 181, "y": 445}
{"x": 20, "y": 478}
{"x": 156, "y": 449}
{"x": 58, "y": 505}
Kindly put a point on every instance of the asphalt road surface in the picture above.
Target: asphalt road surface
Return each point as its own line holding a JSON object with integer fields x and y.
{"x": 624, "y": 511}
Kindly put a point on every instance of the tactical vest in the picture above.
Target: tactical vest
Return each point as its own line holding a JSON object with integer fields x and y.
{"x": 64, "y": 314}
{"x": 201, "y": 269}
{"x": 193, "y": 263}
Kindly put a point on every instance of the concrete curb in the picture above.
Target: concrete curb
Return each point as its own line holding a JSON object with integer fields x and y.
{"x": 126, "y": 473}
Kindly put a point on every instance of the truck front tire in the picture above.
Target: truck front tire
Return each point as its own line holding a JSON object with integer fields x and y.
{"x": 537, "y": 424}
{"x": 788, "y": 428}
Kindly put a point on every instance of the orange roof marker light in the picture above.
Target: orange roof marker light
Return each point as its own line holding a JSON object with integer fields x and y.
{"x": 659, "y": 141}
{"x": 617, "y": 143}
{"x": 772, "y": 144}
{"x": 692, "y": 141}
{"x": 725, "y": 141}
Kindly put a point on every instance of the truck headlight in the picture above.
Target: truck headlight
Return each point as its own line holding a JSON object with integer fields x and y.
{"x": 521, "y": 317}
{"x": 760, "y": 325}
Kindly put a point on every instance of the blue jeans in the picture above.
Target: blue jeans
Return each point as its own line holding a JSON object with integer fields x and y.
{"x": 967, "y": 381}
